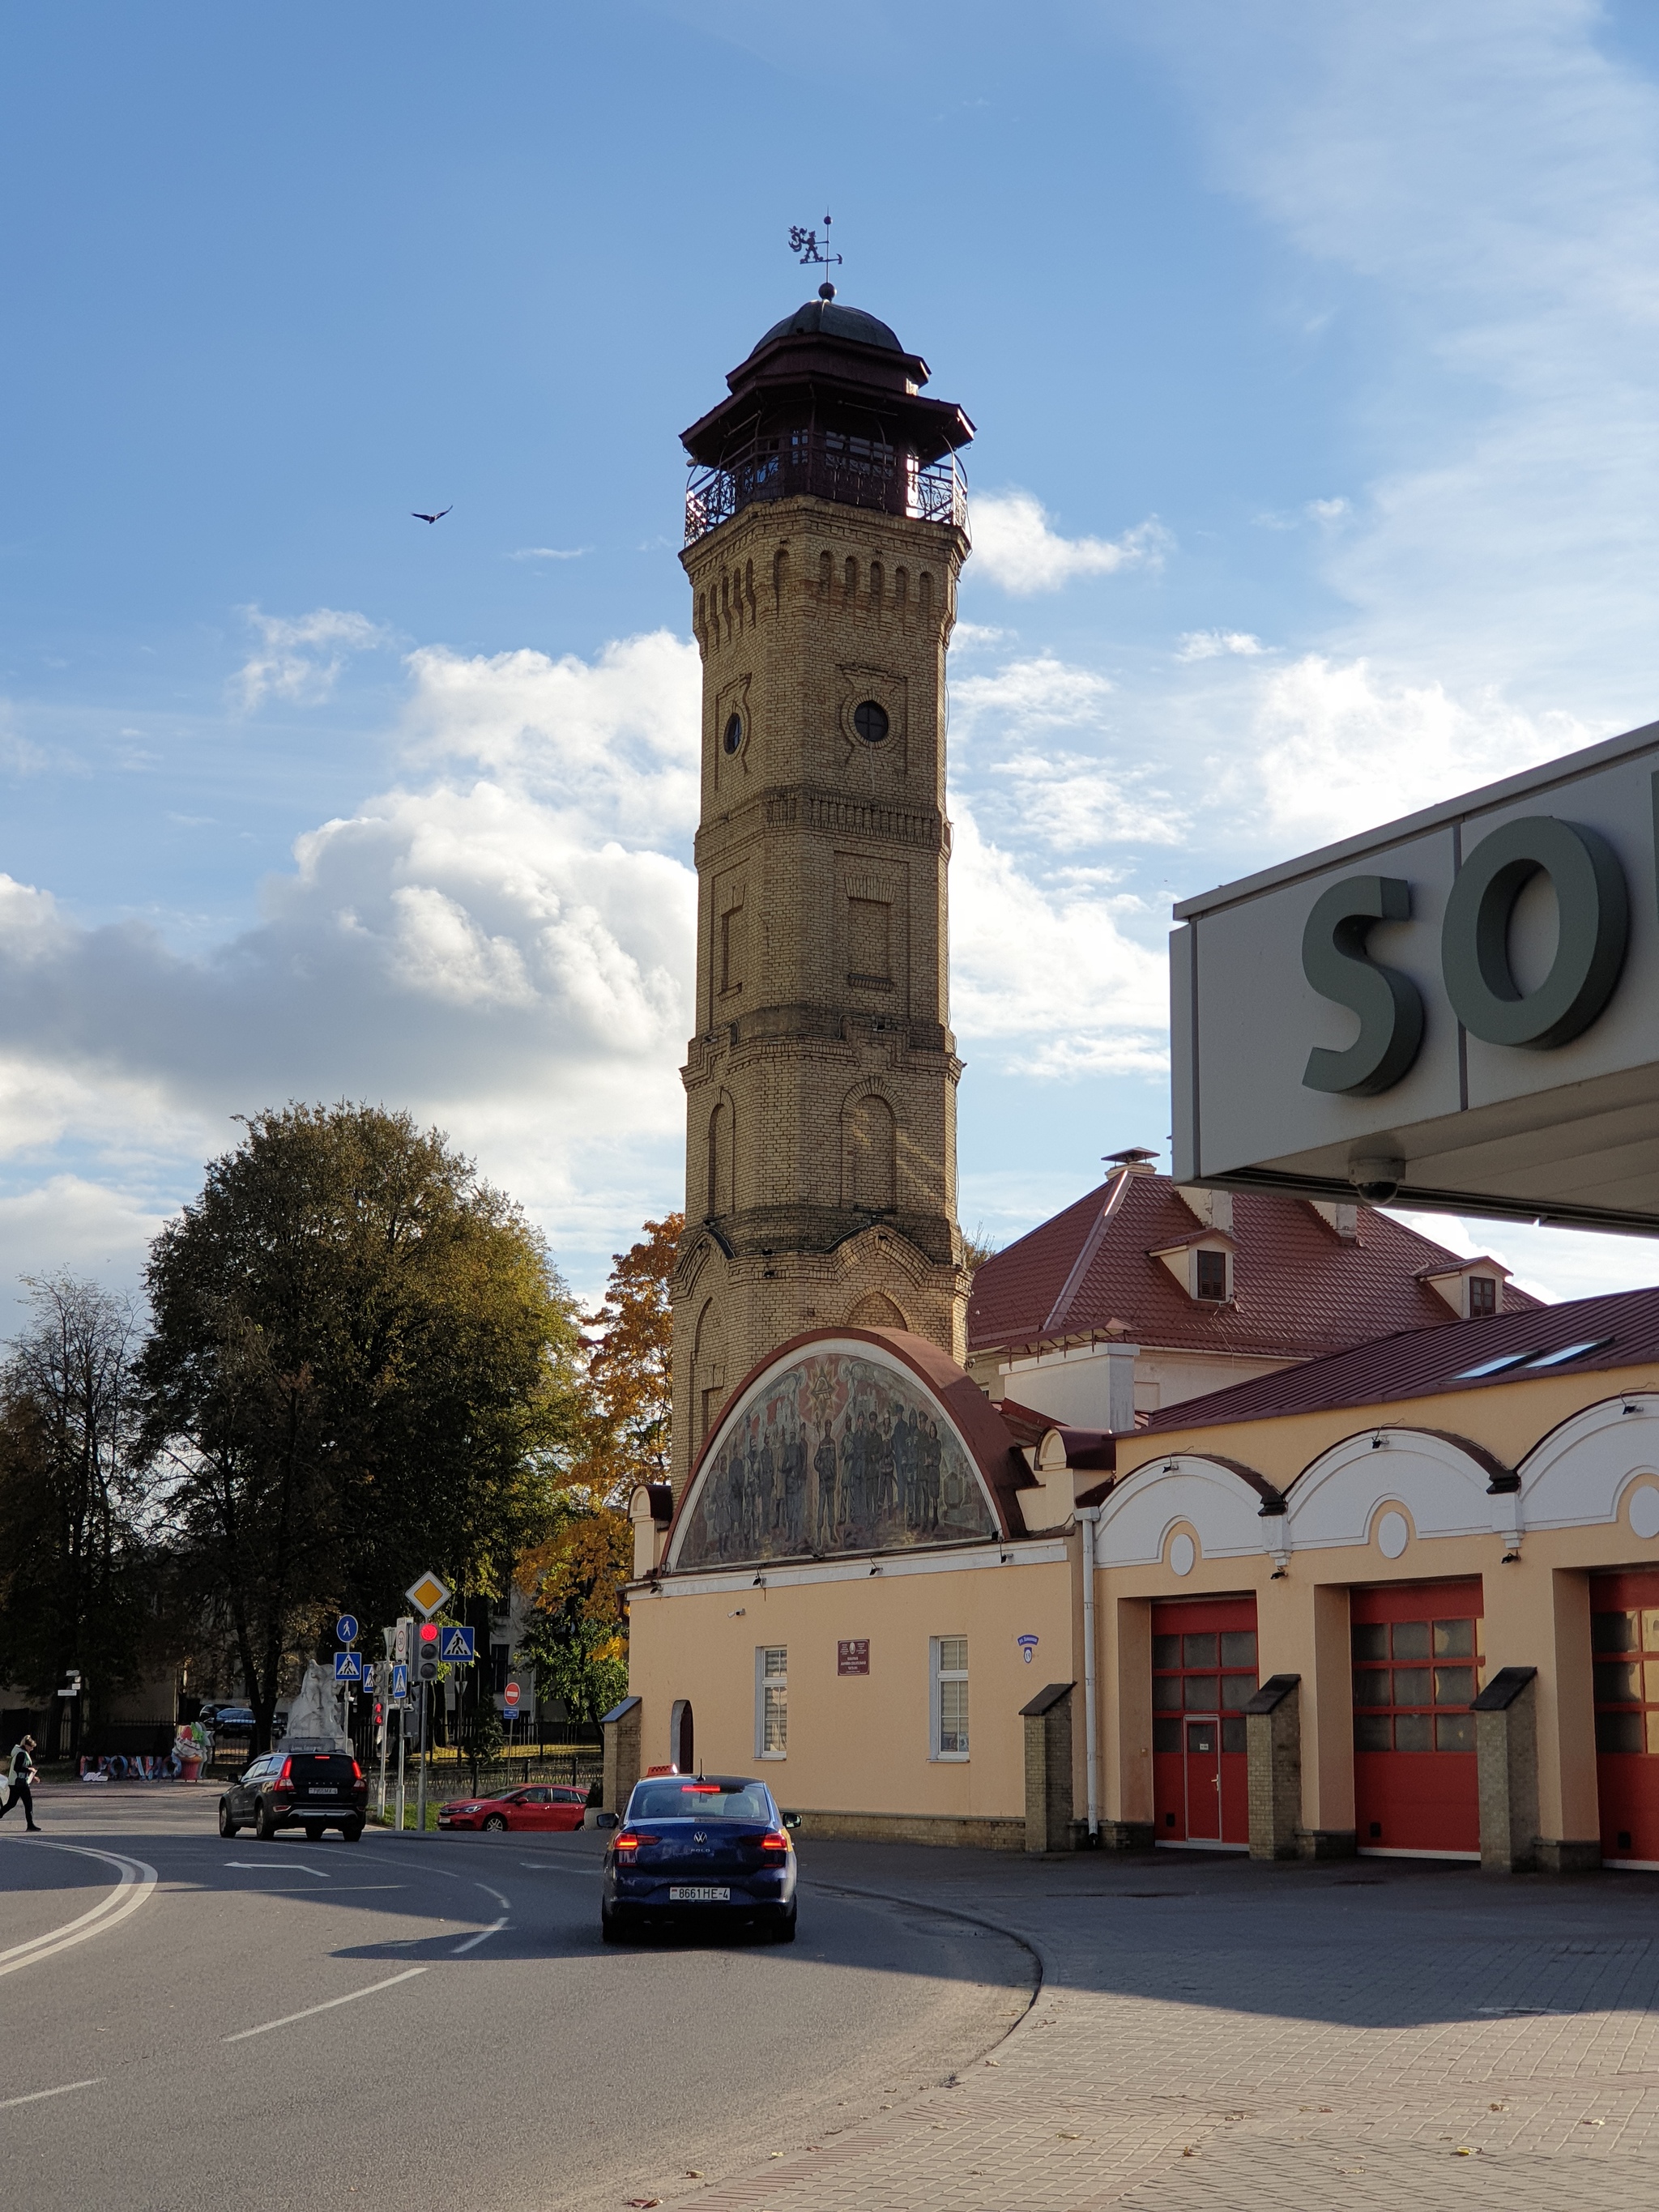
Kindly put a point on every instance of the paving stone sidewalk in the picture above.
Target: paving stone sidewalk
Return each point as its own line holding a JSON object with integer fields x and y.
{"x": 1210, "y": 2034}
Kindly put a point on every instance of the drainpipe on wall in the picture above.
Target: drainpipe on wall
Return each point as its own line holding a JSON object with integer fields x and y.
{"x": 1090, "y": 1516}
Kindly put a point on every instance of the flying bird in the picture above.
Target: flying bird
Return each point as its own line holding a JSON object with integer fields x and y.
{"x": 439, "y": 517}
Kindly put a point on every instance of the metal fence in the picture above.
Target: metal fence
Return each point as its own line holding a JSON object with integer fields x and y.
{"x": 826, "y": 464}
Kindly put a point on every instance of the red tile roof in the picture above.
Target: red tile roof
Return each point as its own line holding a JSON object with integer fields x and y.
{"x": 1299, "y": 1290}
{"x": 1623, "y": 1328}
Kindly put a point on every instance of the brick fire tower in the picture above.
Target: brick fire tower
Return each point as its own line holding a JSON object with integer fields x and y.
{"x": 825, "y": 531}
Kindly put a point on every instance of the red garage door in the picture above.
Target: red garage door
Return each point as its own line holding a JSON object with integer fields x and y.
{"x": 1203, "y": 1674}
{"x": 1624, "y": 1627}
{"x": 1416, "y": 1669}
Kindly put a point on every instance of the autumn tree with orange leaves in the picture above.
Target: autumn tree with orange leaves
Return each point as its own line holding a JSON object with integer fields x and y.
{"x": 578, "y": 1636}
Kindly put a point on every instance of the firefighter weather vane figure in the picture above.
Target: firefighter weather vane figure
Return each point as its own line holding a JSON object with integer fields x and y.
{"x": 804, "y": 244}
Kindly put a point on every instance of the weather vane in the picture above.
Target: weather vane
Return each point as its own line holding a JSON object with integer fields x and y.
{"x": 804, "y": 244}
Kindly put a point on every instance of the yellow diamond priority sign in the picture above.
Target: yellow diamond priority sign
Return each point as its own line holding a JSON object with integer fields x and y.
{"x": 427, "y": 1595}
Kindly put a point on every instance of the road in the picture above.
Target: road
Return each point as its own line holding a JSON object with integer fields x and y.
{"x": 189, "y": 2021}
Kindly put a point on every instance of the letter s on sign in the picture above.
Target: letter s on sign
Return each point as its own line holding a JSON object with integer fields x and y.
{"x": 1389, "y": 1005}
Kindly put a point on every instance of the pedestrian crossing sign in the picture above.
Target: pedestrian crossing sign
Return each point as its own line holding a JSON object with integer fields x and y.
{"x": 348, "y": 1667}
{"x": 455, "y": 1644}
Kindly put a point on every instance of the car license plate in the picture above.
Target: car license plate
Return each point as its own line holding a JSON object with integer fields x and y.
{"x": 700, "y": 1897}
{"x": 328, "y": 1791}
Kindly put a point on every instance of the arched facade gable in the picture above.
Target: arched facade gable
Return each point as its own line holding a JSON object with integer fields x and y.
{"x": 1578, "y": 1474}
{"x": 1220, "y": 1502}
{"x": 1444, "y": 1482}
{"x": 849, "y": 1440}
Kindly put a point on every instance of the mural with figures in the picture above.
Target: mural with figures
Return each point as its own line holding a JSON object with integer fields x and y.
{"x": 833, "y": 1453}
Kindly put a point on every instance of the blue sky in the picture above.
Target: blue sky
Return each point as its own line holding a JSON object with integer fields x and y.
{"x": 1312, "y": 350}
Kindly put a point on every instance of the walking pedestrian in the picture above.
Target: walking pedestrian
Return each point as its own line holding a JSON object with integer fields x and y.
{"x": 20, "y": 1772}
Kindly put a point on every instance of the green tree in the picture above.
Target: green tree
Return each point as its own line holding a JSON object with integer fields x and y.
{"x": 74, "y": 1492}
{"x": 362, "y": 1364}
{"x": 578, "y": 1634}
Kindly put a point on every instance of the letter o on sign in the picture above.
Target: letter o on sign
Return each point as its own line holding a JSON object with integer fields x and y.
{"x": 1594, "y": 906}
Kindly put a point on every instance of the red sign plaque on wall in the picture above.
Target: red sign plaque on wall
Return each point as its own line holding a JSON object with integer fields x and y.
{"x": 854, "y": 1657}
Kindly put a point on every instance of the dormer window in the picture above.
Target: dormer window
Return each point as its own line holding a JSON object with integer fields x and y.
{"x": 1473, "y": 1289}
{"x": 1203, "y": 1266}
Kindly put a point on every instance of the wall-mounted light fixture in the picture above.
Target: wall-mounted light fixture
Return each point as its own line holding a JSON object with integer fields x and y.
{"x": 738, "y": 1615}
{"x": 759, "y": 1583}
{"x": 1379, "y": 1441}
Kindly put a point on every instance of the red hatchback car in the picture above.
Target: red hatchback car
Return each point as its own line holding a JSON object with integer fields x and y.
{"x": 543, "y": 1805}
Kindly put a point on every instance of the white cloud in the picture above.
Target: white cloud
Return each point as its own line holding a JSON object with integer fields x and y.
{"x": 1478, "y": 187}
{"x": 1211, "y": 644}
{"x": 549, "y": 553}
{"x": 1045, "y": 972}
{"x": 1338, "y": 748}
{"x": 301, "y": 657}
{"x": 1041, "y": 693}
{"x": 1328, "y": 510}
{"x": 1017, "y": 546}
{"x": 506, "y": 948}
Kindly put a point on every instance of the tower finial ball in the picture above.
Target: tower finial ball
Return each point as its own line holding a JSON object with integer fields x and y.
{"x": 826, "y": 291}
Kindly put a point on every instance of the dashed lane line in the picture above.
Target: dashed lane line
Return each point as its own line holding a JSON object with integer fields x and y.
{"x": 137, "y": 1882}
{"x": 61, "y": 2090}
{"x": 472, "y": 1941}
{"x": 351, "y": 1998}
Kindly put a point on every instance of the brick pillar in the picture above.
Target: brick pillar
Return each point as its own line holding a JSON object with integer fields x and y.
{"x": 622, "y": 1753}
{"x": 1048, "y": 1720}
{"x": 1273, "y": 1739}
{"x": 1506, "y": 1755}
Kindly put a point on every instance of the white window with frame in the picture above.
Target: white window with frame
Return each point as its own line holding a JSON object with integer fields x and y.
{"x": 950, "y": 1714}
{"x": 771, "y": 1701}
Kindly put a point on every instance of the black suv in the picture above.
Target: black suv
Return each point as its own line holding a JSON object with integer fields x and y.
{"x": 309, "y": 1789}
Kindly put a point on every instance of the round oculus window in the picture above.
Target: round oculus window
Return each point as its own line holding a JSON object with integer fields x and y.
{"x": 870, "y": 720}
{"x": 734, "y": 734}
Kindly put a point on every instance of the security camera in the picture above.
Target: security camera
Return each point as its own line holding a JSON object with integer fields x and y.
{"x": 1376, "y": 1177}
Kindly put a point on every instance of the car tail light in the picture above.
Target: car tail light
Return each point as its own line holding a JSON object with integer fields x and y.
{"x": 775, "y": 1839}
{"x": 356, "y": 1771}
{"x": 631, "y": 1838}
{"x": 284, "y": 1780}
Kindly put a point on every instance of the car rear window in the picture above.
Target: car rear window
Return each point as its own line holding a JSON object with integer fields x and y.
{"x": 700, "y": 1801}
{"x": 322, "y": 1766}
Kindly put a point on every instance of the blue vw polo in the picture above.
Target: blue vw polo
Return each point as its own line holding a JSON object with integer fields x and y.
{"x": 708, "y": 1848}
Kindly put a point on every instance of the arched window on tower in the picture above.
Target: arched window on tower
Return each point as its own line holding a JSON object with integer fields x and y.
{"x": 826, "y": 574}
{"x": 870, "y": 1142}
{"x": 780, "y": 577}
{"x": 721, "y": 1179}
{"x": 875, "y": 1310}
{"x": 851, "y": 584}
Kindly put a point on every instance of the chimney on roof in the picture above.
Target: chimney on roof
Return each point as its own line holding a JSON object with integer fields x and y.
{"x": 1210, "y": 1209}
{"x": 1136, "y": 1158}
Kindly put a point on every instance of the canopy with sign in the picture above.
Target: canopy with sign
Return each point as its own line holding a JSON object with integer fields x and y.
{"x": 1458, "y": 1011}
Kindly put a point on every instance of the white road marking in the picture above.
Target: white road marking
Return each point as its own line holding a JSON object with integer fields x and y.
{"x": 350, "y": 1996}
{"x": 552, "y": 1866}
{"x": 472, "y": 1941}
{"x": 137, "y": 1882}
{"x": 276, "y": 1866}
{"x": 63, "y": 2090}
{"x": 495, "y": 1893}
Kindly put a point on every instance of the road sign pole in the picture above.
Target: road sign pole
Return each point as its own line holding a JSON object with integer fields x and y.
{"x": 386, "y": 1730}
{"x": 402, "y": 1729}
{"x": 420, "y": 1815}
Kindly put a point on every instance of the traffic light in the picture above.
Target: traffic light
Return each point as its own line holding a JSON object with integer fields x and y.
{"x": 426, "y": 1669}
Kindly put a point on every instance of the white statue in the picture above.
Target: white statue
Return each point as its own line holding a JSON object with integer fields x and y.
{"x": 313, "y": 1718}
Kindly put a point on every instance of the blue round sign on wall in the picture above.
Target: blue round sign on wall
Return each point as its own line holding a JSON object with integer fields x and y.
{"x": 345, "y": 1628}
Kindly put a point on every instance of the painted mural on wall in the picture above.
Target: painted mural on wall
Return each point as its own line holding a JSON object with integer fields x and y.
{"x": 834, "y": 1454}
